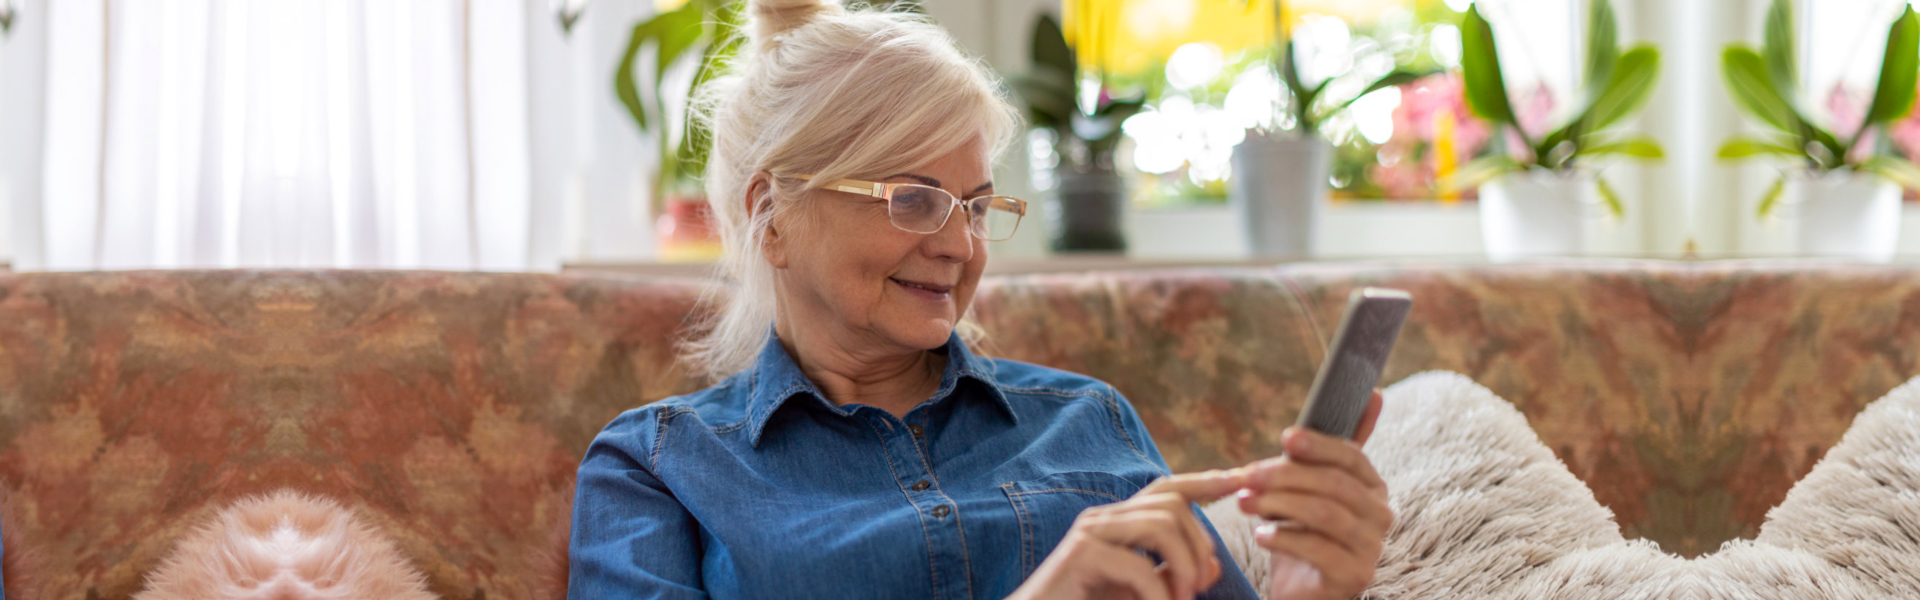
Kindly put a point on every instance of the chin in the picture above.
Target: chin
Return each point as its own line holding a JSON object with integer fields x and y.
{"x": 925, "y": 335}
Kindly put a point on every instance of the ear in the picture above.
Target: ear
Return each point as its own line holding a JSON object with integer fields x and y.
{"x": 759, "y": 198}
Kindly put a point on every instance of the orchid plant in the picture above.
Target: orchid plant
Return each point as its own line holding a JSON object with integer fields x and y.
{"x": 1616, "y": 84}
{"x": 705, "y": 29}
{"x": 1765, "y": 84}
{"x": 1086, "y": 128}
{"x": 1307, "y": 106}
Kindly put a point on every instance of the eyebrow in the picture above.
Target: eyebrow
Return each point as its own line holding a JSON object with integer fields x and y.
{"x": 936, "y": 183}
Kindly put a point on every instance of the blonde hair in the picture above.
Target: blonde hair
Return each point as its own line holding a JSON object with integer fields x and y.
{"x": 837, "y": 93}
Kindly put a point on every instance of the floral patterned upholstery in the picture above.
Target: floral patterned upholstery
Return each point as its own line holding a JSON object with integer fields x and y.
{"x": 451, "y": 409}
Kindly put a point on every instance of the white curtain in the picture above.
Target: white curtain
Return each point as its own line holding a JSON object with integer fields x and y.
{"x": 286, "y": 133}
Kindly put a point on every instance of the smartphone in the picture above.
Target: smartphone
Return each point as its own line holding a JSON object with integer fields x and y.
{"x": 1359, "y": 353}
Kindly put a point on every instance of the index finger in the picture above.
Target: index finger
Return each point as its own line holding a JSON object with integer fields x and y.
{"x": 1204, "y": 486}
{"x": 1367, "y": 418}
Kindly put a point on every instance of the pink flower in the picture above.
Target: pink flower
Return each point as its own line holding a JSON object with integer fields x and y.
{"x": 1848, "y": 110}
{"x": 1425, "y": 97}
{"x": 1408, "y": 164}
{"x": 1535, "y": 110}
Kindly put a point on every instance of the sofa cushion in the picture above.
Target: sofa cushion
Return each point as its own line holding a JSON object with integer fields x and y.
{"x": 1484, "y": 510}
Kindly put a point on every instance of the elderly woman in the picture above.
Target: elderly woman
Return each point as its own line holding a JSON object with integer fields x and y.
{"x": 856, "y": 447}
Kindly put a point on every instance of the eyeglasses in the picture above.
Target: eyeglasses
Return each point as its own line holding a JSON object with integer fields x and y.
{"x": 924, "y": 208}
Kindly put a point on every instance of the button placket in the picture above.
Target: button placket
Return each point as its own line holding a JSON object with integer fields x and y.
{"x": 909, "y": 454}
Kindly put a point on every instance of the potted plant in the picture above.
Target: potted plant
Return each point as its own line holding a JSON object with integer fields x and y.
{"x": 704, "y": 30}
{"x": 1843, "y": 193}
{"x": 1280, "y": 174}
{"x": 1536, "y": 197}
{"x": 1089, "y": 195}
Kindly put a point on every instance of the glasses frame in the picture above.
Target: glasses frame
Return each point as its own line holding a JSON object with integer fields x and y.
{"x": 884, "y": 191}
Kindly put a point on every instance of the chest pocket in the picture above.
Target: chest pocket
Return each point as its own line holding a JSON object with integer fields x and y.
{"x": 1045, "y": 508}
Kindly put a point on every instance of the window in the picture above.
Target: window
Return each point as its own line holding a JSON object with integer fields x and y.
{"x": 1205, "y": 68}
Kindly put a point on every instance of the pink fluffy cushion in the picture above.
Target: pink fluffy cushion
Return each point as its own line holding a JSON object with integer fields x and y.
{"x": 285, "y": 546}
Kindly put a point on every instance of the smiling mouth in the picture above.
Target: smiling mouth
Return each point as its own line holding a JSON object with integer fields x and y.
{"x": 929, "y": 287}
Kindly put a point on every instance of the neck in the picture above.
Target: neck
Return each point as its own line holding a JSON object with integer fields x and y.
{"x": 859, "y": 371}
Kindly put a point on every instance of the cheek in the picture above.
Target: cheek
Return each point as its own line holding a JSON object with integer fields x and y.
{"x": 853, "y": 259}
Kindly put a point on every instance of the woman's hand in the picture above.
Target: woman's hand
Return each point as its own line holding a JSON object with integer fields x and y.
{"x": 1334, "y": 511}
{"x": 1097, "y": 558}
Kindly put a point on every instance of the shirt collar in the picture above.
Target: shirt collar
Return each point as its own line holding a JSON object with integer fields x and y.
{"x": 777, "y": 378}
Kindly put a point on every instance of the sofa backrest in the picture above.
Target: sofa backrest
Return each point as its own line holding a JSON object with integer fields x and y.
{"x": 451, "y": 409}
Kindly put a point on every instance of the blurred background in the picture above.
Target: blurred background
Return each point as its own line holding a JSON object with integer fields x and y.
{"x": 549, "y": 134}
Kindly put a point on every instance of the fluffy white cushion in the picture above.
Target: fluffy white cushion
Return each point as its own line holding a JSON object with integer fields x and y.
{"x": 285, "y": 546}
{"x": 1485, "y": 510}
{"x": 1849, "y": 529}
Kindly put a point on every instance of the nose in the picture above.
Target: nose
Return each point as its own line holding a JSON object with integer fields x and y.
{"x": 954, "y": 241}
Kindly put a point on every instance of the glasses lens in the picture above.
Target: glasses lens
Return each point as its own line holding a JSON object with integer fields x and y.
{"x": 920, "y": 209}
{"x": 996, "y": 217}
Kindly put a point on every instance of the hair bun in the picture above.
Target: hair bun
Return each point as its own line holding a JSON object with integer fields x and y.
{"x": 770, "y": 18}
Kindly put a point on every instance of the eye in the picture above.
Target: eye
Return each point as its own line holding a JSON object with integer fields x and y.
{"x": 912, "y": 199}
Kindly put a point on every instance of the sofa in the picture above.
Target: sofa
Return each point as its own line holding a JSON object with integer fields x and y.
{"x": 450, "y": 409}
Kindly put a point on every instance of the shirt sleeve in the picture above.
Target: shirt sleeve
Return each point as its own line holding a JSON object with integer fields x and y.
{"x": 630, "y": 537}
{"x": 1233, "y": 584}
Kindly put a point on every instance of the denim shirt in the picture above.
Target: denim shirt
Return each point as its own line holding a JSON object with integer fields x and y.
{"x": 759, "y": 487}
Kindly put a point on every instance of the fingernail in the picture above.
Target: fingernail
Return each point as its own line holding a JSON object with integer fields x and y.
{"x": 1300, "y": 444}
{"x": 1244, "y": 493}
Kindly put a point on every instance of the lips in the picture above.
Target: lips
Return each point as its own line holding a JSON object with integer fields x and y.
{"x": 921, "y": 285}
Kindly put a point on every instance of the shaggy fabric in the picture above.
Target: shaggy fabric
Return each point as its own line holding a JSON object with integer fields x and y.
{"x": 286, "y": 546}
{"x": 1484, "y": 510}
{"x": 1850, "y": 529}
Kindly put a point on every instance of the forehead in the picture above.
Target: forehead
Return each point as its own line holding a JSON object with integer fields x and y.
{"x": 967, "y": 165}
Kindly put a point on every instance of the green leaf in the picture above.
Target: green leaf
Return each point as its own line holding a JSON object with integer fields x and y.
{"x": 1627, "y": 91}
{"x": 1049, "y": 95}
{"x": 1310, "y": 120}
{"x": 1602, "y": 45}
{"x": 1893, "y": 97}
{"x": 696, "y": 143}
{"x": 1637, "y": 147}
{"x": 1478, "y": 171}
{"x": 1394, "y": 79}
{"x": 1744, "y": 147}
{"x": 1486, "y": 88}
{"x": 1899, "y": 170}
{"x": 1771, "y": 199}
{"x": 1610, "y": 197}
{"x": 1753, "y": 90}
{"x": 681, "y": 31}
{"x": 624, "y": 85}
{"x": 1290, "y": 71}
{"x": 1050, "y": 46}
{"x": 1779, "y": 50}
{"x": 672, "y": 33}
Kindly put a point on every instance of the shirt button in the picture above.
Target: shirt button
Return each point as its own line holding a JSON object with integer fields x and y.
{"x": 918, "y": 431}
{"x": 941, "y": 511}
{"x": 920, "y": 486}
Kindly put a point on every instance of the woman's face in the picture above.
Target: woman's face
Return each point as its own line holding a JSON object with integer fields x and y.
{"x": 844, "y": 263}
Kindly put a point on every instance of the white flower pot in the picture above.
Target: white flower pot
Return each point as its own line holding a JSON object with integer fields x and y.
{"x": 1842, "y": 214}
{"x": 1537, "y": 214}
{"x": 1279, "y": 191}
